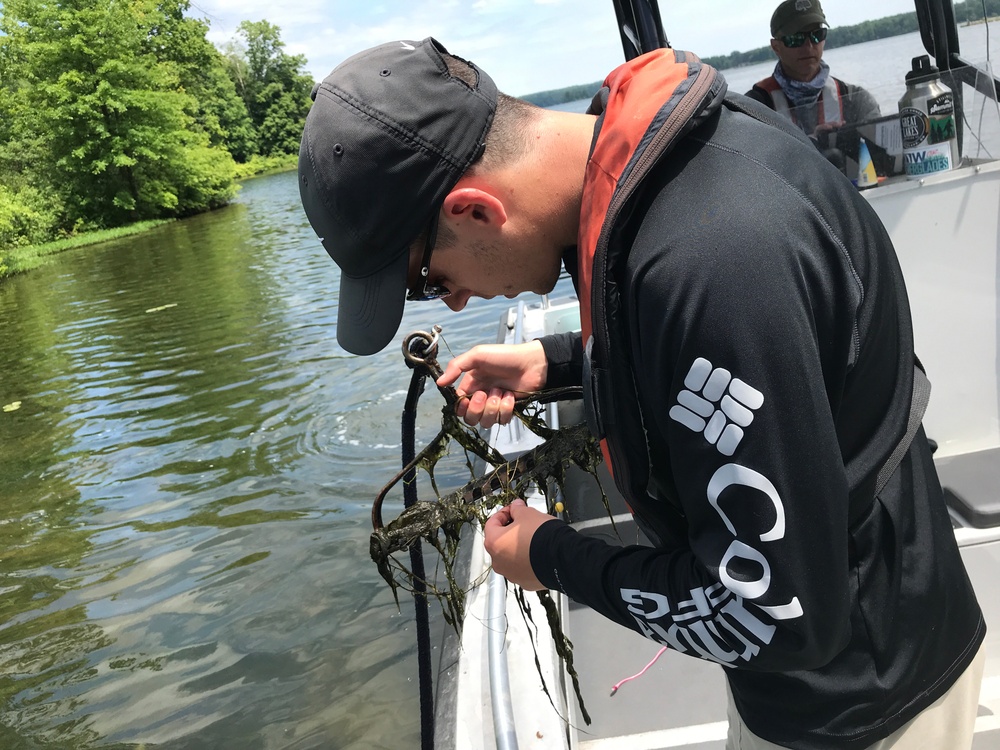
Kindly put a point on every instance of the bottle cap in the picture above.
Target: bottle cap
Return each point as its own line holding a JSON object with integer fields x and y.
{"x": 922, "y": 70}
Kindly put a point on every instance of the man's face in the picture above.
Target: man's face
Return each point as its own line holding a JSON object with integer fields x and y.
{"x": 800, "y": 63}
{"x": 481, "y": 265}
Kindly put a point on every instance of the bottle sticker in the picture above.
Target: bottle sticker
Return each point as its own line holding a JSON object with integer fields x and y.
{"x": 942, "y": 118}
{"x": 927, "y": 161}
{"x": 914, "y": 125}
{"x": 941, "y": 105}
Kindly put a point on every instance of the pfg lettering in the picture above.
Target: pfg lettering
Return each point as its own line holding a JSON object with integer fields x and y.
{"x": 716, "y": 618}
{"x": 699, "y": 632}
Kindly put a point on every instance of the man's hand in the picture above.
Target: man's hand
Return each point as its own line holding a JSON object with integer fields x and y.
{"x": 495, "y": 374}
{"x": 508, "y": 540}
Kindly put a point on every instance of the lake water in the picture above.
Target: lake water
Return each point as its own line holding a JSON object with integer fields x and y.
{"x": 185, "y": 492}
{"x": 188, "y": 464}
{"x": 879, "y": 66}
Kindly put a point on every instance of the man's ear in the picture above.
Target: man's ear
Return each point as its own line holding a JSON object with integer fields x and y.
{"x": 477, "y": 205}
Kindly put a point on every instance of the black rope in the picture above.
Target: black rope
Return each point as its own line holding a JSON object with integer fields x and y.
{"x": 408, "y": 425}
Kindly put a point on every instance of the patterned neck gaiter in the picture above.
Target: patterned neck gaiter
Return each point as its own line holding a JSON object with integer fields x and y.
{"x": 802, "y": 92}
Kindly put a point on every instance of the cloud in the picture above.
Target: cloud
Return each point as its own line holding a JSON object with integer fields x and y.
{"x": 525, "y": 45}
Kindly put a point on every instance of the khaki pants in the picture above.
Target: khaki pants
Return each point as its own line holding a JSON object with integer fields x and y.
{"x": 947, "y": 723}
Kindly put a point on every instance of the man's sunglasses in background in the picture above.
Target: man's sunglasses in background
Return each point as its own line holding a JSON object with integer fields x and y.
{"x": 797, "y": 40}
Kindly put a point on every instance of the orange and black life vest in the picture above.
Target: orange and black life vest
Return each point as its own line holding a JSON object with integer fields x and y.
{"x": 829, "y": 105}
{"x": 651, "y": 102}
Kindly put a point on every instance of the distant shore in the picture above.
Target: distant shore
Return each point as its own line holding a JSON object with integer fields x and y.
{"x": 979, "y": 21}
{"x": 15, "y": 260}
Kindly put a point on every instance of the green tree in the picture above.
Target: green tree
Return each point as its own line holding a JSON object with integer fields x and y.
{"x": 110, "y": 112}
{"x": 30, "y": 209}
{"x": 976, "y": 10}
{"x": 202, "y": 72}
{"x": 272, "y": 84}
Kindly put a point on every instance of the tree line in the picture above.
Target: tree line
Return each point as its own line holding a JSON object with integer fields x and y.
{"x": 114, "y": 112}
{"x": 842, "y": 36}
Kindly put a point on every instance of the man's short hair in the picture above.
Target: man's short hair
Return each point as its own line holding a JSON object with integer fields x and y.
{"x": 506, "y": 141}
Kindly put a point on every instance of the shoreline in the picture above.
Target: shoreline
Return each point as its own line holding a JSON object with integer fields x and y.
{"x": 981, "y": 21}
{"x": 17, "y": 260}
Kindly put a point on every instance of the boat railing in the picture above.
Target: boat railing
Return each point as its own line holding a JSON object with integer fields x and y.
{"x": 503, "y": 708}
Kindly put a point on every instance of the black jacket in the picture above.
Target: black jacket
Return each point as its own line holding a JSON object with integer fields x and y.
{"x": 760, "y": 325}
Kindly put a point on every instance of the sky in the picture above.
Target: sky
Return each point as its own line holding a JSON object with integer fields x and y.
{"x": 524, "y": 45}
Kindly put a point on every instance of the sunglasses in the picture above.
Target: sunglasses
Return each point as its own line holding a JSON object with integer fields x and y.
{"x": 429, "y": 291}
{"x": 797, "y": 40}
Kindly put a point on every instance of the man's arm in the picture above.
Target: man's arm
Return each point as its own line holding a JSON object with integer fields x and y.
{"x": 508, "y": 534}
{"x": 493, "y": 376}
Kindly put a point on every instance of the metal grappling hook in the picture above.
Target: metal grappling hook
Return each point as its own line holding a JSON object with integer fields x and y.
{"x": 420, "y": 351}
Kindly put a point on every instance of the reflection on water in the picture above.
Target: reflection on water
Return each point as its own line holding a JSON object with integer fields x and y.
{"x": 185, "y": 493}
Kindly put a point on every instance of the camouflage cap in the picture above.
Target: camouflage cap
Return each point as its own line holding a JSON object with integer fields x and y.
{"x": 793, "y": 16}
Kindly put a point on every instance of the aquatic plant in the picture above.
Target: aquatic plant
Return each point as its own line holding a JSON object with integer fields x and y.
{"x": 443, "y": 522}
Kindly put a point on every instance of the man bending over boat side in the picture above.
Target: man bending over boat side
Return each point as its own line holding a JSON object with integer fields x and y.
{"x": 749, "y": 363}
{"x": 801, "y": 87}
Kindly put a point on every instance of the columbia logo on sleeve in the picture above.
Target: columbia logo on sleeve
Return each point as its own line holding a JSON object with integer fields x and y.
{"x": 717, "y": 405}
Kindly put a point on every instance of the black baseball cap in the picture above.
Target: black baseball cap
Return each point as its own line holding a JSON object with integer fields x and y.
{"x": 389, "y": 134}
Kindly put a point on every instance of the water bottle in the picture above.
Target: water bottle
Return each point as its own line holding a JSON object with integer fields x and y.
{"x": 927, "y": 119}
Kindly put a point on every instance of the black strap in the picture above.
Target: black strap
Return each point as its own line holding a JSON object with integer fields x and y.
{"x": 918, "y": 405}
{"x": 762, "y": 113}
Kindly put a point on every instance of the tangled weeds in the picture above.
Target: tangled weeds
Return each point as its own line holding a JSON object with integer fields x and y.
{"x": 440, "y": 522}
